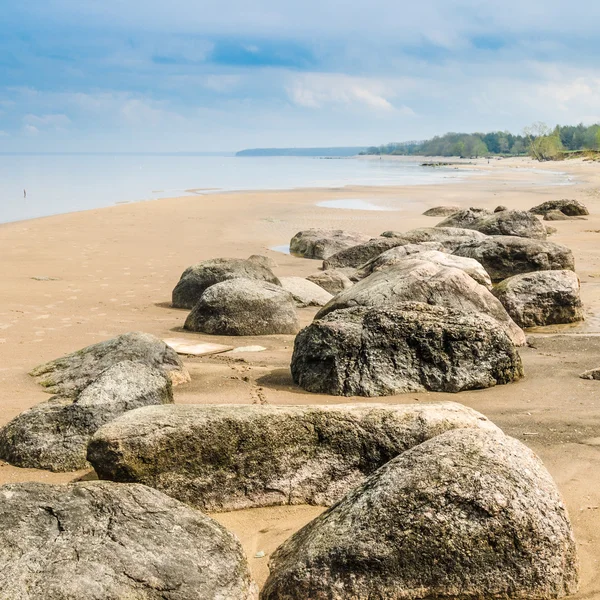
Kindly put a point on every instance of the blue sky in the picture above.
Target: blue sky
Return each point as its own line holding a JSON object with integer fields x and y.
{"x": 183, "y": 75}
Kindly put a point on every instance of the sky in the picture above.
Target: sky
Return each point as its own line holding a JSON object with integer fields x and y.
{"x": 223, "y": 75}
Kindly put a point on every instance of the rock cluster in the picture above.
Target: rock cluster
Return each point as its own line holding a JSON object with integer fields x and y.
{"x": 570, "y": 208}
{"x": 323, "y": 243}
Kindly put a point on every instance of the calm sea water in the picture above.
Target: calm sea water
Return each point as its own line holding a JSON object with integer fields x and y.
{"x": 65, "y": 183}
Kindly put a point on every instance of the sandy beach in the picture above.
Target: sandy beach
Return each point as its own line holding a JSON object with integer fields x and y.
{"x": 76, "y": 279}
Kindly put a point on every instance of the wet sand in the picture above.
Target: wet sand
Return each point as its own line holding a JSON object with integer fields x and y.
{"x": 73, "y": 280}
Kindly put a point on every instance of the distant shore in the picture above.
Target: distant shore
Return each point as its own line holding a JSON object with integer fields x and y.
{"x": 74, "y": 279}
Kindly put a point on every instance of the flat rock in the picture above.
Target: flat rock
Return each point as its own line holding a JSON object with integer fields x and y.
{"x": 591, "y": 374}
{"x": 323, "y": 243}
{"x": 468, "y": 514}
{"x": 107, "y": 541}
{"x": 406, "y": 347}
{"x": 333, "y": 281}
{"x": 450, "y": 238}
{"x": 397, "y": 255}
{"x": 54, "y": 434}
{"x": 441, "y": 211}
{"x": 198, "y": 278}
{"x": 541, "y": 298}
{"x": 72, "y": 373}
{"x": 229, "y": 457}
{"x": 571, "y": 208}
{"x": 305, "y": 292}
{"x": 506, "y": 222}
{"x": 505, "y": 256}
{"x": 557, "y": 215}
{"x": 244, "y": 307}
{"x": 416, "y": 280}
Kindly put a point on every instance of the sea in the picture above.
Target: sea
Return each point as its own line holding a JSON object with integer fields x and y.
{"x": 37, "y": 185}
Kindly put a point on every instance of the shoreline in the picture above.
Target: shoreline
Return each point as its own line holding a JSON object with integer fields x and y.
{"x": 116, "y": 267}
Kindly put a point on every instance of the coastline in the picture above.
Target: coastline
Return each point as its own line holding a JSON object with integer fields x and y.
{"x": 115, "y": 267}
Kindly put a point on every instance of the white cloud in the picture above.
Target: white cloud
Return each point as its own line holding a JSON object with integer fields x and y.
{"x": 30, "y": 130}
{"x": 56, "y": 121}
{"x": 316, "y": 90}
{"x": 4, "y": 133}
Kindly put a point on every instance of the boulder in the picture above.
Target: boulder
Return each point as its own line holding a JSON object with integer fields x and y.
{"x": 416, "y": 280}
{"x": 333, "y": 281}
{"x": 397, "y": 255}
{"x": 557, "y": 215}
{"x": 591, "y": 374}
{"x": 500, "y": 208}
{"x": 54, "y": 435}
{"x": 441, "y": 211}
{"x": 405, "y": 347}
{"x": 505, "y": 256}
{"x": 305, "y": 292}
{"x": 198, "y": 278}
{"x": 265, "y": 261}
{"x": 468, "y": 514}
{"x": 106, "y": 541}
{"x": 571, "y": 208}
{"x": 541, "y": 298}
{"x": 358, "y": 255}
{"x": 323, "y": 243}
{"x": 228, "y": 457}
{"x": 506, "y": 222}
{"x": 244, "y": 307}
{"x": 466, "y": 218}
{"x": 449, "y": 237}
{"x": 70, "y": 374}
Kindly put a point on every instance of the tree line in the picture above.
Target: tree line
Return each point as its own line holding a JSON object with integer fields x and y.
{"x": 538, "y": 140}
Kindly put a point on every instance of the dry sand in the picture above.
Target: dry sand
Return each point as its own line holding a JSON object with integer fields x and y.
{"x": 104, "y": 272}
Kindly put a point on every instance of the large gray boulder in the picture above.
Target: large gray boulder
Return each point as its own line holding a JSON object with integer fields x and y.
{"x": 507, "y": 222}
{"x": 333, "y": 281}
{"x": 54, "y": 434}
{"x": 358, "y": 255}
{"x": 244, "y": 307}
{"x": 405, "y": 347}
{"x": 229, "y": 457}
{"x": 305, "y": 292}
{"x": 323, "y": 243}
{"x": 398, "y": 255}
{"x": 72, "y": 373}
{"x": 450, "y": 238}
{"x": 505, "y": 256}
{"x": 468, "y": 514}
{"x": 198, "y": 278}
{"x": 416, "y": 280}
{"x": 541, "y": 298}
{"x": 441, "y": 211}
{"x": 571, "y": 208}
{"x": 107, "y": 541}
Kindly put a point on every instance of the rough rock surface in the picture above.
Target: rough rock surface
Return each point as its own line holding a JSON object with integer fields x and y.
{"x": 244, "y": 307}
{"x": 571, "y": 208}
{"x": 305, "y": 292}
{"x": 441, "y": 211}
{"x": 541, "y": 298}
{"x": 265, "y": 261}
{"x": 358, "y": 255}
{"x": 416, "y": 280}
{"x": 72, "y": 373}
{"x": 331, "y": 280}
{"x": 500, "y": 208}
{"x": 466, "y": 218}
{"x": 591, "y": 374}
{"x": 466, "y": 515}
{"x": 397, "y": 255}
{"x": 506, "y": 222}
{"x": 198, "y": 278}
{"x": 407, "y": 347}
{"x": 557, "y": 215}
{"x": 505, "y": 256}
{"x": 229, "y": 457}
{"x": 449, "y": 237}
{"x": 54, "y": 435}
{"x": 107, "y": 541}
{"x": 323, "y": 243}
